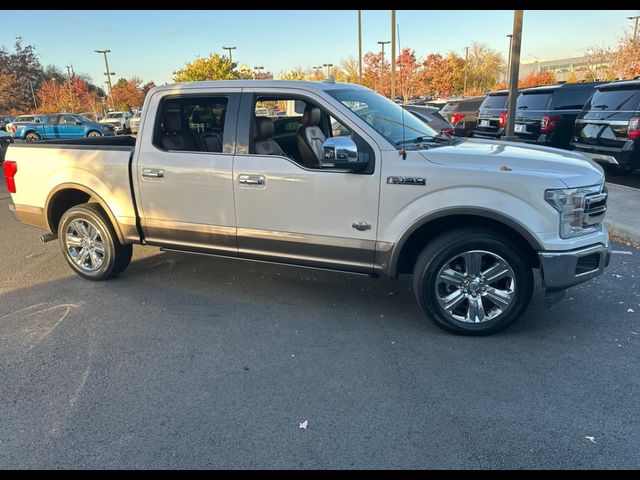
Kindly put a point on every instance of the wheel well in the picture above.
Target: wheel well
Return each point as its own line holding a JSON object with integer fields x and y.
{"x": 63, "y": 201}
{"x": 425, "y": 233}
{"x": 93, "y": 130}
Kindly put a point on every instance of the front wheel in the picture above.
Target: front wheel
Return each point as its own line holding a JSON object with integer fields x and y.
{"x": 472, "y": 281}
{"x": 90, "y": 244}
{"x": 32, "y": 137}
{"x": 93, "y": 134}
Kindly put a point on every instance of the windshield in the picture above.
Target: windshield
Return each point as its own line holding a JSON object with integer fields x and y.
{"x": 115, "y": 115}
{"x": 386, "y": 117}
{"x": 84, "y": 118}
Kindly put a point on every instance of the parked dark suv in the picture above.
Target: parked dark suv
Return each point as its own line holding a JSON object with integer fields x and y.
{"x": 462, "y": 113}
{"x": 608, "y": 128}
{"x": 547, "y": 115}
{"x": 492, "y": 115}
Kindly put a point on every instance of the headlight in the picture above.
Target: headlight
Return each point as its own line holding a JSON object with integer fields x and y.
{"x": 571, "y": 204}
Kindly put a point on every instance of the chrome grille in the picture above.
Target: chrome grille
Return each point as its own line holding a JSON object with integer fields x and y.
{"x": 595, "y": 206}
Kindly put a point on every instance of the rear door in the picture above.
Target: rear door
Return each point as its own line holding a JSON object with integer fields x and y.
{"x": 183, "y": 169}
{"x": 50, "y": 126}
{"x": 606, "y": 117}
{"x": 530, "y": 108}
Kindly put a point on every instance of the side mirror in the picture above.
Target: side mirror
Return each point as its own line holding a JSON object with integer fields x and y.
{"x": 342, "y": 153}
{"x": 78, "y": 122}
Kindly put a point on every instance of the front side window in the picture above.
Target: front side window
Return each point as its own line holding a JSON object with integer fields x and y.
{"x": 385, "y": 116}
{"x": 194, "y": 124}
{"x": 68, "y": 120}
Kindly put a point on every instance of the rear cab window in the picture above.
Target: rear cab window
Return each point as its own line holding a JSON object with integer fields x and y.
{"x": 570, "y": 99}
{"x": 626, "y": 98}
{"x": 534, "y": 101}
{"x": 495, "y": 101}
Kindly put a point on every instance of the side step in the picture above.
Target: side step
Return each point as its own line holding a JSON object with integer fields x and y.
{"x": 48, "y": 237}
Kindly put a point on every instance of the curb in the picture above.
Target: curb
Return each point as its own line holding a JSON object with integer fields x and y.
{"x": 622, "y": 231}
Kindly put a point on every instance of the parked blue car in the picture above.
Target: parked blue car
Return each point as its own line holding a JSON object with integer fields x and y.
{"x": 62, "y": 126}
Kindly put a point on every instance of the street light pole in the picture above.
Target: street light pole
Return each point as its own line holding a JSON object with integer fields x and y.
{"x": 108, "y": 73}
{"x": 635, "y": 29}
{"x": 328, "y": 65}
{"x": 509, "y": 56}
{"x": 317, "y": 69}
{"x": 258, "y": 70}
{"x": 70, "y": 90}
{"x": 393, "y": 55}
{"x": 229, "y": 48}
{"x": 466, "y": 59}
{"x": 33, "y": 95}
{"x": 513, "y": 75}
{"x": 382, "y": 44}
{"x": 359, "y": 46}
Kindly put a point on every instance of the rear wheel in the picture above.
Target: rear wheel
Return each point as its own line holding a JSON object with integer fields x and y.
{"x": 90, "y": 244}
{"x": 472, "y": 282}
{"x": 32, "y": 137}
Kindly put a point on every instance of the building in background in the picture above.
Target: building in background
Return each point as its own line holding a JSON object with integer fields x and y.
{"x": 564, "y": 68}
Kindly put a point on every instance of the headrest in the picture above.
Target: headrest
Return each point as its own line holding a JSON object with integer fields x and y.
{"x": 172, "y": 122}
{"x": 311, "y": 115}
{"x": 263, "y": 128}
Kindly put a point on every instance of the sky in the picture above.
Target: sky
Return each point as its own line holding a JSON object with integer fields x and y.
{"x": 153, "y": 44}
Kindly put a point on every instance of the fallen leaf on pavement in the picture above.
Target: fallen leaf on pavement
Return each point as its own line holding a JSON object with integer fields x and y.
{"x": 305, "y": 424}
{"x": 591, "y": 439}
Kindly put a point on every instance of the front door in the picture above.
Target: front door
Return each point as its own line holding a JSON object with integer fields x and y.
{"x": 291, "y": 212}
{"x": 183, "y": 172}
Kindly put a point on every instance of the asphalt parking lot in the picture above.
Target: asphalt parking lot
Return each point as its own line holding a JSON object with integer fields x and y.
{"x": 197, "y": 362}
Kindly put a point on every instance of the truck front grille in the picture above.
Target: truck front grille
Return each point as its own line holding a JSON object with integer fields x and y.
{"x": 595, "y": 206}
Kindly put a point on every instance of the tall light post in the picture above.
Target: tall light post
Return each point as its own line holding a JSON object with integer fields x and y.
{"x": 33, "y": 95}
{"x": 229, "y": 48}
{"x": 70, "y": 90}
{"x": 635, "y": 29}
{"x": 317, "y": 69}
{"x": 466, "y": 59}
{"x": 510, "y": 35}
{"x": 393, "y": 55}
{"x": 513, "y": 75}
{"x": 108, "y": 74}
{"x": 55, "y": 90}
{"x": 382, "y": 44}
{"x": 257, "y": 69}
{"x": 359, "y": 46}
{"x": 328, "y": 65}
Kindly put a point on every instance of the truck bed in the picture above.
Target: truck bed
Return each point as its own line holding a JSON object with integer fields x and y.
{"x": 97, "y": 167}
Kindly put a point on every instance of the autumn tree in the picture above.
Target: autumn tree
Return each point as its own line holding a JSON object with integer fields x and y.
{"x": 442, "y": 76}
{"x": 10, "y": 91}
{"x": 537, "y": 80}
{"x": 597, "y": 67}
{"x": 297, "y": 73}
{"x": 213, "y": 67}
{"x": 73, "y": 96}
{"x": 23, "y": 65}
{"x": 128, "y": 93}
{"x": 376, "y": 73}
{"x": 347, "y": 71}
{"x": 148, "y": 86}
{"x": 626, "y": 58}
{"x": 483, "y": 67}
{"x": 409, "y": 78}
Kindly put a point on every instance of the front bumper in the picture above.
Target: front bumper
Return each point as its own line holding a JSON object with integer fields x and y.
{"x": 565, "y": 269}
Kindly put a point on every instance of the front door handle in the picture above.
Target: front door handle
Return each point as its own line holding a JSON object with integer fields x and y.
{"x": 251, "y": 180}
{"x": 152, "y": 173}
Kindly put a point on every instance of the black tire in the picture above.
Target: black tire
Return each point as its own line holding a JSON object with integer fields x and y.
{"x": 93, "y": 134}
{"x": 32, "y": 137}
{"x": 87, "y": 218}
{"x": 446, "y": 248}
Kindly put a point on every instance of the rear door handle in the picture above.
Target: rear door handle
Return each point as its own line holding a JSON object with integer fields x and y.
{"x": 251, "y": 180}
{"x": 152, "y": 173}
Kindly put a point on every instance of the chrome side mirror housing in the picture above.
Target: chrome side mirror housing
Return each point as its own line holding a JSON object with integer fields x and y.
{"x": 341, "y": 153}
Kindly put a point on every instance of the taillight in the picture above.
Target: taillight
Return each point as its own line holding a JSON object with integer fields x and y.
{"x": 456, "y": 117}
{"x": 633, "y": 130}
{"x": 503, "y": 119}
{"x": 10, "y": 170}
{"x": 549, "y": 123}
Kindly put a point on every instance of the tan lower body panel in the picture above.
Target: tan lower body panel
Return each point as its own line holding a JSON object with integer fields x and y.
{"x": 34, "y": 216}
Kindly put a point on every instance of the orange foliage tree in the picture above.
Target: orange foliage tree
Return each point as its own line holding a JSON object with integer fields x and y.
{"x": 56, "y": 96}
{"x": 376, "y": 73}
{"x": 537, "y": 80}
{"x": 443, "y": 76}
{"x": 128, "y": 93}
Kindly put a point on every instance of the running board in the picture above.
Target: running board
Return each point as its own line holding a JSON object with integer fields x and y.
{"x": 176, "y": 250}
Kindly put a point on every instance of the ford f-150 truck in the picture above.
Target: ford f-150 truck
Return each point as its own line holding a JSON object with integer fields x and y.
{"x": 470, "y": 219}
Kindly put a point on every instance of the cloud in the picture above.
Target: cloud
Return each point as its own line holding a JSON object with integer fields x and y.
{"x": 106, "y": 28}
{"x": 174, "y": 32}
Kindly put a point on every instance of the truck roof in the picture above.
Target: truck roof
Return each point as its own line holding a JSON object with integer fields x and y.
{"x": 260, "y": 84}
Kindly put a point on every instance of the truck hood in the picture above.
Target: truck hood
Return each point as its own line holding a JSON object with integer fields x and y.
{"x": 572, "y": 168}
{"x": 112, "y": 120}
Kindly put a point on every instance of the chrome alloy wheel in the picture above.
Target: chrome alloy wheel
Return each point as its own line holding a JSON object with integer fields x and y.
{"x": 475, "y": 286}
{"x": 84, "y": 245}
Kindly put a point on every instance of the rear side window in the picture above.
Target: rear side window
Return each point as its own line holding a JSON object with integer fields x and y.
{"x": 533, "y": 101}
{"x": 615, "y": 99}
{"x": 191, "y": 124}
{"x": 495, "y": 101}
{"x": 570, "y": 99}
{"x": 451, "y": 107}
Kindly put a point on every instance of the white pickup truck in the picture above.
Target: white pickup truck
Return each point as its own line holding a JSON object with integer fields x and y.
{"x": 470, "y": 219}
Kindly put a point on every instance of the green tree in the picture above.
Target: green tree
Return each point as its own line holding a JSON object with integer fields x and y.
{"x": 213, "y": 67}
